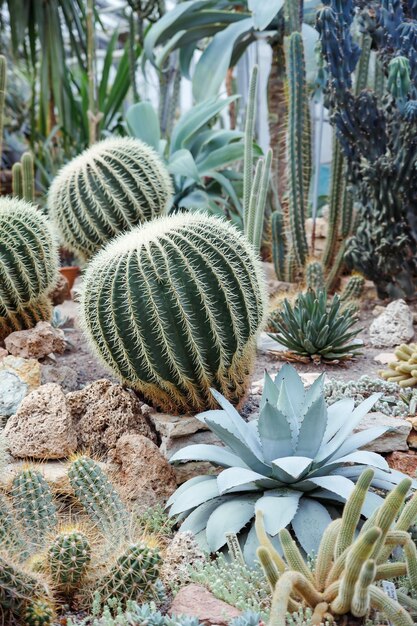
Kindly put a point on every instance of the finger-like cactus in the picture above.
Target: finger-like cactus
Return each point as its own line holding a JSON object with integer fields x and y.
{"x": 17, "y": 182}
{"x": 28, "y": 177}
{"x": 314, "y": 275}
{"x": 353, "y": 289}
{"x": 28, "y": 265}
{"x": 69, "y": 556}
{"x": 132, "y": 576}
{"x": 174, "y": 308}
{"x": 97, "y": 495}
{"x": 113, "y": 186}
{"x": 403, "y": 371}
{"x": 33, "y": 505}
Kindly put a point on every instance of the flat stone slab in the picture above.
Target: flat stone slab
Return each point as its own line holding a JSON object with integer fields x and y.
{"x": 174, "y": 426}
{"x": 394, "y": 439}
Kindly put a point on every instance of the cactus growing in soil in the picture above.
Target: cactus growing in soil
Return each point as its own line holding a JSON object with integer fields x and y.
{"x": 348, "y": 564}
{"x": 69, "y": 557}
{"x": 28, "y": 266}
{"x": 193, "y": 303}
{"x": 116, "y": 184}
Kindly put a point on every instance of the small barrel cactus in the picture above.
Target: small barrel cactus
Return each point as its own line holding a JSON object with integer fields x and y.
{"x": 111, "y": 187}
{"x": 39, "y": 613}
{"x": 69, "y": 556}
{"x": 132, "y": 576}
{"x": 28, "y": 265}
{"x": 174, "y": 308}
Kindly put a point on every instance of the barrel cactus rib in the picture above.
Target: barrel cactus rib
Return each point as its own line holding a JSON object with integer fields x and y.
{"x": 174, "y": 308}
{"x": 110, "y": 188}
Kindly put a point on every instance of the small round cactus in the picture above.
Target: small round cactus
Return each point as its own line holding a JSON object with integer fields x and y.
{"x": 28, "y": 265}
{"x": 174, "y": 308}
{"x": 69, "y": 556}
{"x": 39, "y": 613}
{"x": 111, "y": 187}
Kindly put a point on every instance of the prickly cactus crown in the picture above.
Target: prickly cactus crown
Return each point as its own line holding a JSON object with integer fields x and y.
{"x": 111, "y": 187}
{"x": 174, "y": 308}
{"x": 69, "y": 556}
{"x": 28, "y": 265}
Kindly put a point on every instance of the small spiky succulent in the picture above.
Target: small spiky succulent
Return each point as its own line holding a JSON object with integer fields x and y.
{"x": 318, "y": 330}
{"x": 298, "y": 458}
{"x": 348, "y": 563}
{"x": 111, "y": 187}
{"x": 174, "y": 307}
{"x": 28, "y": 266}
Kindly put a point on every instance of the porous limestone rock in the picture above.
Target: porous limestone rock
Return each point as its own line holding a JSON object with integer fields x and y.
{"x": 28, "y": 370}
{"x": 36, "y": 342}
{"x": 42, "y": 427}
{"x": 102, "y": 412}
{"x": 393, "y": 326}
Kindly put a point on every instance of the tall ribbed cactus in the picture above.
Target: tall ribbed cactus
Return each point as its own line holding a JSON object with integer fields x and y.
{"x": 69, "y": 557}
{"x": 111, "y": 187}
{"x": 17, "y": 182}
{"x": 28, "y": 266}
{"x": 174, "y": 308}
{"x": 314, "y": 275}
{"x": 28, "y": 177}
{"x": 3, "y": 80}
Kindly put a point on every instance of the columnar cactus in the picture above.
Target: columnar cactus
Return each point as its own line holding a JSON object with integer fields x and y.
{"x": 19, "y": 590}
{"x": 69, "y": 556}
{"x": 28, "y": 265}
{"x": 133, "y": 575}
{"x": 314, "y": 275}
{"x": 353, "y": 289}
{"x": 174, "y": 308}
{"x": 99, "y": 498}
{"x": 111, "y": 187}
{"x": 28, "y": 177}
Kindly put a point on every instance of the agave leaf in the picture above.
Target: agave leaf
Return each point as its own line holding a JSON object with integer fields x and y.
{"x": 237, "y": 478}
{"x": 270, "y": 391}
{"x": 288, "y": 404}
{"x": 331, "y": 447}
{"x": 228, "y": 517}
{"x": 195, "y": 495}
{"x": 312, "y": 429}
{"x": 197, "y": 519}
{"x": 337, "y": 414}
{"x": 293, "y": 466}
{"x": 210, "y": 453}
{"x": 239, "y": 423}
{"x": 339, "y": 485}
{"x": 279, "y": 508}
{"x": 185, "y": 486}
{"x": 309, "y": 524}
{"x": 360, "y": 439}
{"x": 381, "y": 479}
{"x": 290, "y": 374}
{"x": 142, "y": 122}
{"x": 360, "y": 456}
{"x": 274, "y": 433}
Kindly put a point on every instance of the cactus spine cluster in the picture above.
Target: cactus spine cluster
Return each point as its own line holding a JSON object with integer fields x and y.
{"x": 353, "y": 289}
{"x": 75, "y": 562}
{"x": 111, "y": 187}
{"x": 28, "y": 266}
{"x": 348, "y": 564}
{"x": 403, "y": 371}
{"x": 193, "y": 303}
{"x": 314, "y": 275}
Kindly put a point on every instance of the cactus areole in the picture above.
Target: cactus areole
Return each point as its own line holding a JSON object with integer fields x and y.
{"x": 174, "y": 308}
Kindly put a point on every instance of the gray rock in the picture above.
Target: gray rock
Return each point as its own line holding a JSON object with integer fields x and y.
{"x": 394, "y": 439}
{"x": 171, "y": 445}
{"x": 393, "y": 326}
{"x": 174, "y": 426}
{"x": 12, "y": 392}
{"x": 61, "y": 375}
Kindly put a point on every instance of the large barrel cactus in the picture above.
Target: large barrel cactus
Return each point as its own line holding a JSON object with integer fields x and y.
{"x": 28, "y": 266}
{"x": 174, "y": 308}
{"x": 111, "y": 187}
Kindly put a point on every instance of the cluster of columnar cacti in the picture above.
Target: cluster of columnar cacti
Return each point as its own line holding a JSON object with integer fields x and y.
{"x": 23, "y": 178}
{"x": 174, "y": 308}
{"x": 111, "y": 187}
{"x": 348, "y": 563}
{"x": 28, "y": 266}
{"x": 380, "y": 164}
{"x": 43, "y": 562}
{"x": 403, "y": 371}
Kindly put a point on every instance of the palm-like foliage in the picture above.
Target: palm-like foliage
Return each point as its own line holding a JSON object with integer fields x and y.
{"x": 295, "y": 463}
{"x": 312, "y": 327}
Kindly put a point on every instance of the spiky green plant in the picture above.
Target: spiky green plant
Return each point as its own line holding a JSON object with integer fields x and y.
{"x": 348, "y": 563}
{"x": 17, "y": 182}
{"x": 314, "y": 274}
{"x": 193, "y": 303}
{"x": 353, "y": 288}
{"x": 404, "y": 370}
{"x": 111, "y": 187}
{"x": 298, "y": 458}
{"x": 69, "y": 557}
{"x": 28, "y": 177}
{"x": 39, "y": 613}
{"x": 313, "y": 328}
{"x": 279, "y": 245}
{"x": 28, "y": 266}
{"x": 3, "y": 81}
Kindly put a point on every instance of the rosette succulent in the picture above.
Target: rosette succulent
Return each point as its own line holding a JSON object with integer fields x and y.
{"x": 297, "y": 463}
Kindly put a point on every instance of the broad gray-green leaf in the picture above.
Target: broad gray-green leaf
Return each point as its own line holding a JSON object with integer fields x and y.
{"x": 294, "y": 466}
{"x": 197, "y": 519}
{"x": 195, "y": 495}
{"x": 360, "y": 439}
{"x": 189, "y": 483}
{"x": 279, "y": 508}
{"x": 289, "y": 374}
{"x": 221, "y": 158}
{"x": 197, "y": 200}
{"x": 312, "y": 429}
{"x": 288, "y": 404}
{"x": 366, "y": 457}
{"x": 229, "y": 517}
{"x": 309, "y": 524}
{"x": 213, "y": 64}
{"x": 337, "y": 414}
{"x": 210, "y": 453}
{"x": 337, "y": 484}
{"x": 142, "y": 122}
{"x": 236, "y": 478}
{"x": 274, "y": 432}
{"x": 264, "y": 11}
{"x": 181, "y": 163}
{"x": 239, "y": 423}
{"x": 270, "y": 391}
